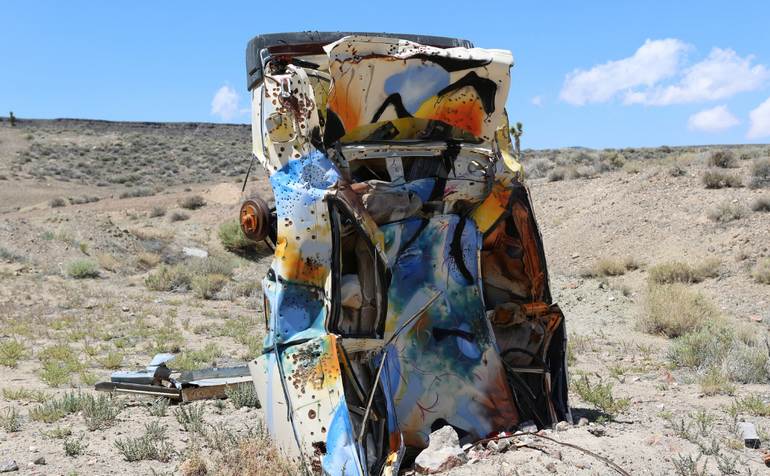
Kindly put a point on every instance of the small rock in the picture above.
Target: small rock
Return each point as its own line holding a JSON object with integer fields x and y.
{"x": 503, "y": 444}
{"x": 443, "y": 452}
{"x": 33, "y": 449}
{"x": 39, "y": 460}
{"x": 597, "y": 431}
{"x": 493, "y": 446}
{"x": 562, "y": 426}
{"x": 583, "y": 421}
{"x": 551, "y": 467}
{"x": 528, "y": 427}
{"x": 125, "y": 309}
{"x": 8, "y": 465}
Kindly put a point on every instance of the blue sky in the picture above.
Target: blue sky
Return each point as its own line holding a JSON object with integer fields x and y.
{"x": 596, "y": 74}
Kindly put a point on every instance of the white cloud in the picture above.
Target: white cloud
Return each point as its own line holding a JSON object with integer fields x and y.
{"x": 537, "y": 101}
{"x": 721, "y": 75}
{"x": 760, "y": 121}
{"x": 716, "y": 119}
{"x": 225, "y": 103}
{"x": 653, "y": 61}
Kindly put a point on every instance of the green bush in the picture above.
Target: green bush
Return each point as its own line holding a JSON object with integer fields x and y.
{"x": 599, "y": 395}
{"x": 82, "y": 269}
{"x": 232, "y": 238}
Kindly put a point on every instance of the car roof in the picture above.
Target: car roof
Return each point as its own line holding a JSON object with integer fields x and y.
{"x": 309, "y": 42}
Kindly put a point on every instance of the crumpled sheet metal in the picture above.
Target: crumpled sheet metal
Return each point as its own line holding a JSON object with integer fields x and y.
{"x": 377, "y": 81}
{"x": 437, "y": 359}
{"x": 443, "y": 364}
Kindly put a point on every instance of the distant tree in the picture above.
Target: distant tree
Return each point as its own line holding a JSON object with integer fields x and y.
{"x": 517, "y": 130}
{"x": 12, "y": 118}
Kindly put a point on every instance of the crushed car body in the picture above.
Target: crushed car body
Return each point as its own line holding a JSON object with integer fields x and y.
{"x": 409, "y": 288}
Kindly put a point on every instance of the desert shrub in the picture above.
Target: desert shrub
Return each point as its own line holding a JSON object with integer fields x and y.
{"x": 10, "y": 420}
{"x": 721, "y": 355}
{"x": 193, "y": 202}
{"x": 82, "y": 200}
{"x": 600, "y": 395}
{"x": 157, "y": 212}
{"x": 82, "y": 269}
{"x": 714, "y": 381}
{"x": 178, "y": 216}
{"x": 194, "y": 465}
{"x": 253, "y": 455}
{"x": 190, "y": 417}
{"x": 168, "y": 278}
{"x": 100, "y": 412}
{"x": 674, "y": 310}
{"x": 702, "y": 348}
{"x": 9, "y": 255}
{"x": 74, "y": 446}
{"x": 148, "y": 260}
{"x": 152, "y": 445}
{"x": 159, "y": 407}
{"x": 137, "y": 192}
{"x": 761, "y": 272}
{"x": 747, "y": 363}
{"x": 113, "y": 360}
{"x": 243, "y": 395}
{"x": 717, "y": 179}
{"x": 207, "y": 285}
{"x": 196, "y": 359}
{"x": 677, "y": 170}
{"x": 537, "y": 168}
{"x": 680, "y": 272}
{"x": 760, "y": 173}
{"x": 723, "y": 159}
{"x": 57, "y": 202}
{"x": 557, "y": 174}
{"x": 11, "y": 351}
{"x": 233, "y": 239}
{"x": 727, "y": 212}
{"x": 753, "y": 405}
{"x": 761, "y": 204}
{"x": 613, "y": 266}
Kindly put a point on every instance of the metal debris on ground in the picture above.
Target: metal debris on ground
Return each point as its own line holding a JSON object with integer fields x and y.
{"x": 158, "y": 380}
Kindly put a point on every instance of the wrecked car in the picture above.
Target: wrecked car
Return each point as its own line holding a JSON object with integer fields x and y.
{"x": 408, "y": 289}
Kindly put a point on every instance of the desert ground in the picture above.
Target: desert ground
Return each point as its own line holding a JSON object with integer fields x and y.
{"x": 659, "y": 258}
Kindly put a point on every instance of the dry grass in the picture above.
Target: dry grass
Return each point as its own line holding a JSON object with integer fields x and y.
{"x": 760, "y": 173}
{"x": 723, "y": 159}
{"x": 761, "y": 204}
{"x": 761, "y": 272}
{"x": 612, "y": 267}
{"x": 193, "y": 202}
{"x": 674, "y": 310}
{"x": 178, "y": 216}
{"x": 681, "y": 272}
{"x": 727, "y": 212}
{"x": 718, "y": 179}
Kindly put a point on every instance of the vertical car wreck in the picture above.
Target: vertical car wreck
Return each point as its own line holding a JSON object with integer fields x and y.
{"x": 409, "y": 287}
